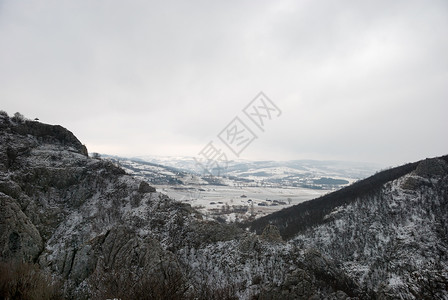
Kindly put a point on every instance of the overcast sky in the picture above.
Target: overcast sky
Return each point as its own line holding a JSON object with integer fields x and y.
{"x": 354, "y": 80}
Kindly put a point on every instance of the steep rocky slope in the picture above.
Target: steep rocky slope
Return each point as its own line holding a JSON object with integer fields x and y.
{"x": 393, "y": 241}
{"x": 104, "y": 234}
{"x": 72, "y": 214}
{"x": 389, "y": 232}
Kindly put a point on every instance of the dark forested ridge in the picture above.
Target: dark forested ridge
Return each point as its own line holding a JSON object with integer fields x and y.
{"x": 293, "y": 220}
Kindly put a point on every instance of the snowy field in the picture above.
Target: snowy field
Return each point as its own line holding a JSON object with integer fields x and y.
{"x": 232, "y": 202}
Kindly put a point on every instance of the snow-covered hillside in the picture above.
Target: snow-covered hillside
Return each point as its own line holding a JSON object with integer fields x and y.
{"x": 388, "y": 232}
{"x": 282, "y": 173}
{"x": 393, "y": 240}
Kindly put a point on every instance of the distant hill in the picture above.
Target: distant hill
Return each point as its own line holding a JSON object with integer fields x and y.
{"x": 296, "y": 173}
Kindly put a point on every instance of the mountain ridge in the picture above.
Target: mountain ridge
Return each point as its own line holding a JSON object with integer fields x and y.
{"x": 324, "y": 204}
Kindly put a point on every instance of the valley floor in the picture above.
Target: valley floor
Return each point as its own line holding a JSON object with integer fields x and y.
{"x": 239, "y": 202}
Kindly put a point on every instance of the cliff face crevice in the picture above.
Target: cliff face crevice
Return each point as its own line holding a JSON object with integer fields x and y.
{"x": 20, "y": 239}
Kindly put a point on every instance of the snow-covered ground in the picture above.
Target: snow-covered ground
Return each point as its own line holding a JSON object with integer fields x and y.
{"x": 224, "y": 200}
{"x": 248, "y": 189}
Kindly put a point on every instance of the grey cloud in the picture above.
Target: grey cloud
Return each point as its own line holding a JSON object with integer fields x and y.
{"x": 356, "y": 80}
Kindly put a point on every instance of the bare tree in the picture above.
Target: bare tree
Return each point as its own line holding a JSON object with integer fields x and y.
{"x": 18, "y": 118}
